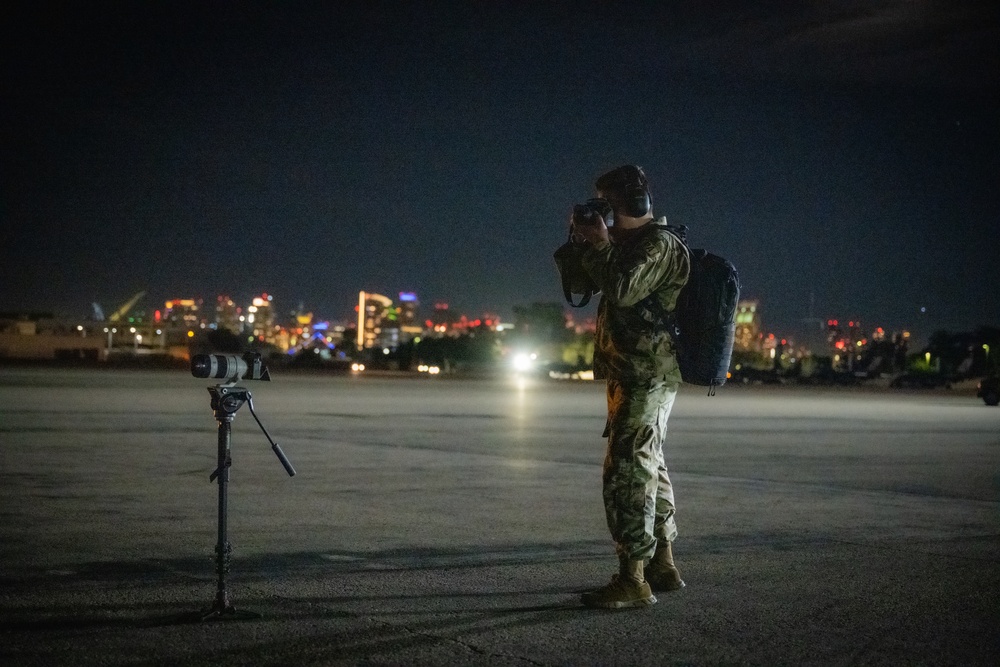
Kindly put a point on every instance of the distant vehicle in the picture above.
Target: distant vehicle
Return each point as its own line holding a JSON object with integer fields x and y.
{"x": 989, "y": 390}
{"x": 749, "y": 375}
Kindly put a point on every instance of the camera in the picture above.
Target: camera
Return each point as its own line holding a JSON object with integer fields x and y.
{"x": 589, "y": 213}
{"x": 229, "y": 367}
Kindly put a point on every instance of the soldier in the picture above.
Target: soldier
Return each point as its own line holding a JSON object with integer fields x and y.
{"x": 632, "y": 262}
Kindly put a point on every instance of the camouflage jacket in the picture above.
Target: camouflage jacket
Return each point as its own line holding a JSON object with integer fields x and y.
{"x": 648, "y": 260}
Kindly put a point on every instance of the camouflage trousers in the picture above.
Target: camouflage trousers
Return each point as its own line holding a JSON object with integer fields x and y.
{"x": 638, "y": 496}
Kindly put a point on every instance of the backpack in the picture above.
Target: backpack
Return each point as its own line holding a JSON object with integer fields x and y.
{"x": 703, "y": 325}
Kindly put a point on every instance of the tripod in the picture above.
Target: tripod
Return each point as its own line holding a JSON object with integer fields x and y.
{"x": 226, "y": 400}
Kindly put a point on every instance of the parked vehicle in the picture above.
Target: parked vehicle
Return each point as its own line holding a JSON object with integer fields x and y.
{"x": 989, "y": 390}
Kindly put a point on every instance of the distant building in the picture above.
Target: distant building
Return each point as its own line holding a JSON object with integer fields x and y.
{"x": 374, "y": 330}
{"x": 408, "y": 317}
{"x": 40, "y": 336}
{"x": 442, "y": 320}
{"x": 183, "y": 313}
{"x": 748, "y": 326}
{"x": 228, "y": 314}
{"x": 260, "y": 319}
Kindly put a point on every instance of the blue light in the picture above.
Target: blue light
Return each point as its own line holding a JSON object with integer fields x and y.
{"x": 407, "y": 296}
{"x": 321, "y": 326}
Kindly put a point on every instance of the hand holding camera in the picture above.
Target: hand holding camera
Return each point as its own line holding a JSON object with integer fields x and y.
{"x": 590, "y": 220}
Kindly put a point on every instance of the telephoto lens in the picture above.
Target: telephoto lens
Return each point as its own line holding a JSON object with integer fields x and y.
{"x": 220, "y": 366}
{"x": 230, "y": 367}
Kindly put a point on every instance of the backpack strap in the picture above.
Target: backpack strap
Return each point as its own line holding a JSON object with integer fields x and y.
{"x": 667, "y": 320}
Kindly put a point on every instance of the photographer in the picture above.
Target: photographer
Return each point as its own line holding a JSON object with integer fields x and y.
{"x": 634, "y": 261}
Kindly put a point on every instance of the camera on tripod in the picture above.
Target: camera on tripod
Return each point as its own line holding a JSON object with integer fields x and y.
{"x": 590, "y": 212}
{"x": 229, "y": 367}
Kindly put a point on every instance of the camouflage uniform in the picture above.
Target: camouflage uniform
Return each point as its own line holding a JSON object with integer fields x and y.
{"x": 638, "y": 362}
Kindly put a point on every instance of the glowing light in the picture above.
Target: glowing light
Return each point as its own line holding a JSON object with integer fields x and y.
{"x": 190, "y": 334}
{"x": 361, "y": 320}
{"x": 524, "y": 362}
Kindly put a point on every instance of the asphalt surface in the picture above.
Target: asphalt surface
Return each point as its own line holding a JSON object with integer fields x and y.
{"x": 435, "y": 521}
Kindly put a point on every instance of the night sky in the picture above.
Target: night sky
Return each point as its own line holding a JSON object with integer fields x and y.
{"x": 844, "y": 156}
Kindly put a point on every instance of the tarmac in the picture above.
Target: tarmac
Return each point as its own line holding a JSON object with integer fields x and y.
{"x": 440, "y": 521}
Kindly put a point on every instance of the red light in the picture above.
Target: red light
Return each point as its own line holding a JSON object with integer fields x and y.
{"x": 840, "y": 345}
{"x": 784, "y": 342}
{"x": 851, "y": 323}
{"x": 157, "y": 316}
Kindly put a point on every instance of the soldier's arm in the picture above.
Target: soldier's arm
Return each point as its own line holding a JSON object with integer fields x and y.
{"x": 626, "y": 278}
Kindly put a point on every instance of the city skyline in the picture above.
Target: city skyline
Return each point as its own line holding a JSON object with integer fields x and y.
{"x": 844, "y": 159}
{"x": 146, "y": 306}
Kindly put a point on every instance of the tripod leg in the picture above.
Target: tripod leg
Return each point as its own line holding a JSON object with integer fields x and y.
{"x": 223, "y": 609}
{"x": 223, "y": 549}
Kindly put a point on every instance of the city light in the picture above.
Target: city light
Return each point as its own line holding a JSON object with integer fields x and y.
{"x": 524, "y": 362}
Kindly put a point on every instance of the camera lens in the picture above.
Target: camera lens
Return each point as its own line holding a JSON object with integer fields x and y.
{"x": 223, "y": 366}
{"x": 201, "y": 366}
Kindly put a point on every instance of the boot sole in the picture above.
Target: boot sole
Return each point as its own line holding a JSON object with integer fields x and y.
{"x": 629, "y": 604}
{"x": 668, "y": 588}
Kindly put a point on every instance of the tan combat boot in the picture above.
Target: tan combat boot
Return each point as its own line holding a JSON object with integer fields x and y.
{"x": 628, "y": 588}
{"x": 661, "y": 574}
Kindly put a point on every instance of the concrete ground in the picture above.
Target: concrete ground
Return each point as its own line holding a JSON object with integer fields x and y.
{"x": 436, "y": 521}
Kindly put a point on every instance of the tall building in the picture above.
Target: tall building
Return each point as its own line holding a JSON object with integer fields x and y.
{"x": 748, "y": 325}
{"x": 260, "y": 318}
{"x": 408, "y": 318}
{"x": 183, "y": 313}
{"x": 227, "y": 314}
{"x": 373, "y": 313}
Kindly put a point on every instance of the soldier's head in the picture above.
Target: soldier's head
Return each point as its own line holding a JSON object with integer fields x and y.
{"x": 627, "y": 190}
